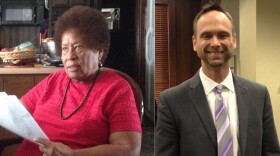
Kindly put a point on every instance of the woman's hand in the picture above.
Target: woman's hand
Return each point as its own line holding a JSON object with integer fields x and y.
{"x": 121, "y": 143}
{"x": 49, "y": 148}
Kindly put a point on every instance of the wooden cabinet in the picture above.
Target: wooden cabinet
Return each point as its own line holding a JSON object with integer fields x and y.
{"x": 14, "y": 32}
{"x": 19, "y": 84}
{"x": 16, "y": 84}
{"x": 38, "y": 78}
{"x": 1, "y": 84}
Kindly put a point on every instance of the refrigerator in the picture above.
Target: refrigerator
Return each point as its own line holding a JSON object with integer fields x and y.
{"x": 149, "y": 98}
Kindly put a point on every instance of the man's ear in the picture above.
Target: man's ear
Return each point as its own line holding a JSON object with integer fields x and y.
{"x": 194, "y": 42}
{"x": 234, "y": 41}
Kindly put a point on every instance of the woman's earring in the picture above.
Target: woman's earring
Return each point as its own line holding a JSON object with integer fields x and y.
{"x": 99, "y": 62}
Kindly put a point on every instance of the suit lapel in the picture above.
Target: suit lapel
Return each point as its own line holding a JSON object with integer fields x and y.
{"x": 201, "y": 105}
{"x": 243, "y": 101}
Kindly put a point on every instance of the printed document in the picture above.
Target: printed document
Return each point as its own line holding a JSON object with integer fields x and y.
{"x": 15, "y": 118}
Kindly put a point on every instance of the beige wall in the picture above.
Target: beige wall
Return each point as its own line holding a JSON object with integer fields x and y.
{"x": 259, "y": 41}
{"x": 268, "y": 52}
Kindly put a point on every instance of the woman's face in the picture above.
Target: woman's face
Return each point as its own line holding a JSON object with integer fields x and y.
{"x": 80, "y": 61}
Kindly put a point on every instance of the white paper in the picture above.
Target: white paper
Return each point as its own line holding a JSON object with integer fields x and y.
{"x": 15, "y": 118}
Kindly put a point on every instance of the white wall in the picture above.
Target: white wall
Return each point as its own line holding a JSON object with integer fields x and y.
{"x": 259, "y": 40}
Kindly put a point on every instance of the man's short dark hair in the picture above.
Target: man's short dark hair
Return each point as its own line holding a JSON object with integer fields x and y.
{"x": 211, "y": 6}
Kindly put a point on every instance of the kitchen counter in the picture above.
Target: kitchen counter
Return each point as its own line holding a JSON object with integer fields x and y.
{"x": 17, "y": 80}
{"x": 37, "y": 69}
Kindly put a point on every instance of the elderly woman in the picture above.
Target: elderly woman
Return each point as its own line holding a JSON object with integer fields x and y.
{"x": 82, "y": 110}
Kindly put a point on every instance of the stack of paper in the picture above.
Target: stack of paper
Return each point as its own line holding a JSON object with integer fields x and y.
{"x": 15, "y": 118}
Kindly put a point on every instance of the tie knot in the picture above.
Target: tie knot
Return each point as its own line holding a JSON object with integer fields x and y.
{"x": 219, "y": 89}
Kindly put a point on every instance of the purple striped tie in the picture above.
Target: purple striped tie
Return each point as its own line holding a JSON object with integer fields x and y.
{"x": 224, "y": 137}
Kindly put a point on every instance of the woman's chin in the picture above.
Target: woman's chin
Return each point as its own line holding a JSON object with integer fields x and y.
{"x": 74, "y": 75}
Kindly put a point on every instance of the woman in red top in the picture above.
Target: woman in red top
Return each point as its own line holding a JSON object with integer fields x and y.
{"x": 82, "y": 109}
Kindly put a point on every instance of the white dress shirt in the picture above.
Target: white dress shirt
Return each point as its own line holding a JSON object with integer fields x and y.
{"x": 229, "y": 97}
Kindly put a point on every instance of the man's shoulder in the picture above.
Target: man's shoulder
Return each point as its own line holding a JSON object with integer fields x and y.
{"x": 179, "y": 89}
{"x": 246, "y": 82}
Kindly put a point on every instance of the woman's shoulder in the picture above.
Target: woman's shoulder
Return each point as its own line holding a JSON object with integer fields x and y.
{"x": 111, "y": 78}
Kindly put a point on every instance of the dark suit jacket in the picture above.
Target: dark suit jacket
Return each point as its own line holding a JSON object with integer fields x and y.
{"x": 185, "y": 126}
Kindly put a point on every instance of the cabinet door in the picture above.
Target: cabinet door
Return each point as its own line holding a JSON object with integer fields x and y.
{"x": 18, "y": 84}
{"x": 1, "y": 83}
{"x": 2, "y": 131}
{"x": 39, "y": 78}
{"x": 13, "y": 85}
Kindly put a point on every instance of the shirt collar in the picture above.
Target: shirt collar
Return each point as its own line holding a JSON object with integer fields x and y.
{"x": 209, "y": 84}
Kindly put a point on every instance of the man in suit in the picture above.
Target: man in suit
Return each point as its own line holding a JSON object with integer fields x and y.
{"x": 188, "y": 114}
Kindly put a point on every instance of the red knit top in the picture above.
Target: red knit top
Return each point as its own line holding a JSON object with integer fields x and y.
{"x": 110, "y": 107}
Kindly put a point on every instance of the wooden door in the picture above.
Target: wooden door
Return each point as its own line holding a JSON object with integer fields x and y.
{"x": 162, "y": 62}
{"x": 175, "y": 60}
